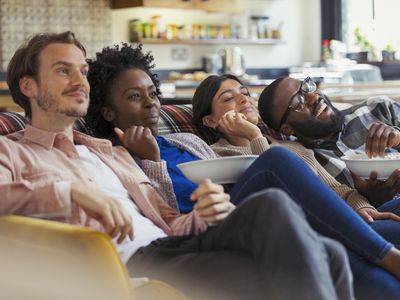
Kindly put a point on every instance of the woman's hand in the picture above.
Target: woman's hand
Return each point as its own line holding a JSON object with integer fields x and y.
{"x": 140, "y": 142}
{"x": 235, "y": 124}
{"x": 370, "y": 214}
{"x": 213, "y": 205}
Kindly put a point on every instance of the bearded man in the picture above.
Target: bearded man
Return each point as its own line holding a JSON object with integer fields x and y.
{"x": 298, "y": 108}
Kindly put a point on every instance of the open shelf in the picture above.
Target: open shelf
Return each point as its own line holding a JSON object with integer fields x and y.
{"x": 215, "y": 41}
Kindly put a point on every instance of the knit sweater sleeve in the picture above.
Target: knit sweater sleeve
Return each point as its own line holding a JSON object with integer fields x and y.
{"x": 160, "y": 180}
{"x": 257, "y": 146}
{"x": 158, "y": 171}
{"x": 191, "y": 143}
{"x": 354, "y": 199}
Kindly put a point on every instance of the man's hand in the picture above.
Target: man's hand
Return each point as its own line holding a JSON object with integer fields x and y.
{"x": 213, "y": 205}
{"x": 369, "y": 215}
{"x": 108, "y": 211}
{"x": 381, "y": 136}
{"x": 378, "y": 191}
{"x": 234, "y": 124}
{"x": 140, "y": 142}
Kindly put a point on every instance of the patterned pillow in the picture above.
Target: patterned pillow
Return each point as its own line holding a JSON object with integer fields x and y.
{"x": 11, "y": 122}
{"x": 179, "y": 118}
{"x": 176, "y": 118}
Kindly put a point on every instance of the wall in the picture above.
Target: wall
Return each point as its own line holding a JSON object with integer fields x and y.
{"x": 97, "y": 25}
{"x": 89, "y": 19}
{"x": 300, "y": 33}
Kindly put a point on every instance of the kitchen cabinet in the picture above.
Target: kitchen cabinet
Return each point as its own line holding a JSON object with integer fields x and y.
{"x": 208, "y": 5}
{"x": 231, "y": 6}
{"x": 152, "y": 3}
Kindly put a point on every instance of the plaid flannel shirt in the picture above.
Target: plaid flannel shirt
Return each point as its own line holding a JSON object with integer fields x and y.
{"x": 358, "y": 120}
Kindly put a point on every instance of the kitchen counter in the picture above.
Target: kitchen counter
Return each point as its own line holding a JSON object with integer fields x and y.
{"x": 181, "y": 92}
{"x": 356, "y": 93}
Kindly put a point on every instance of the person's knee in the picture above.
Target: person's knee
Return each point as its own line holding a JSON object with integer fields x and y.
{"x": 271, "y": 199}
{"x": 337, "y": 253}
{"x": 277, "y": 153}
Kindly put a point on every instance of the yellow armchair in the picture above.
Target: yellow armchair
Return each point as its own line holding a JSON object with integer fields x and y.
{"x": 42, "y": 259}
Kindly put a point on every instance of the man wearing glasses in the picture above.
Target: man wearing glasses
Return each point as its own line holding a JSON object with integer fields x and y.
{"x": 298, "y": 108}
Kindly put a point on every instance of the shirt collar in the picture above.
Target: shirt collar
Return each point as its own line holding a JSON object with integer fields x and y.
{"x": 47, "y": 139}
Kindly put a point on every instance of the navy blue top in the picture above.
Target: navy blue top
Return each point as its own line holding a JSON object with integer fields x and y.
{"x": 182, "y": 186}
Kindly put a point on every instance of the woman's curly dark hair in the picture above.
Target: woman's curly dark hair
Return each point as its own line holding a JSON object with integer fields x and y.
{"x": 103, "y": 71}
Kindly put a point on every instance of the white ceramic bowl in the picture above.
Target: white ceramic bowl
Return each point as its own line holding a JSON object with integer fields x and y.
{"x": 219, "y": 170}
{"x": 362, "y": 166}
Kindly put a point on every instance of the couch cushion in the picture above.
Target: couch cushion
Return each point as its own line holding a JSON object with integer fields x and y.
{"x": 173, "y": 119}
{"x": 179, "y": 118}
{"x": 11, "y": 122}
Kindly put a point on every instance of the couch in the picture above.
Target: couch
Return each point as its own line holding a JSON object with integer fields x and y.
{"x": 43, "y": 259}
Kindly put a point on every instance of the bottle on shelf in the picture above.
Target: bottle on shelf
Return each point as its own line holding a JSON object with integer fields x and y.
{"x": 259, "y": 27}
{"x": 326, "y": 53}
{"x": 135, "y": 30}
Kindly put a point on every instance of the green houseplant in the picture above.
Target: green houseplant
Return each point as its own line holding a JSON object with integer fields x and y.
{"x": 364, "y": 44}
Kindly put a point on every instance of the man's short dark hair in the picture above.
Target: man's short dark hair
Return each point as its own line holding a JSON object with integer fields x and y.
{"x": 25, "y": 62}
{"x": 266, "y": 103}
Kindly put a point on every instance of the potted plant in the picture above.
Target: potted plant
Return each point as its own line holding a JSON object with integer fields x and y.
{"x": 366, "y": 48}
{"x": 388, "y": 53}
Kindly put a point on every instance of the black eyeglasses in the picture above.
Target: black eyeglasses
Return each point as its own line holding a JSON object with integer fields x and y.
{"x": 297, "y": 102}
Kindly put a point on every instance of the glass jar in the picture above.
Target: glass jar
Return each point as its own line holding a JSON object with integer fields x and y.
{"x": 259, "y": 27}
{"x": 134, "y": 30}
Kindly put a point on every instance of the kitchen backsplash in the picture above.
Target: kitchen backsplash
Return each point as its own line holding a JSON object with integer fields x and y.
{"x": 19, "y": 19}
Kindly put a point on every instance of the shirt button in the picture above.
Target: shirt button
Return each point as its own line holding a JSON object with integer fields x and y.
{"x": 90, "y": 179}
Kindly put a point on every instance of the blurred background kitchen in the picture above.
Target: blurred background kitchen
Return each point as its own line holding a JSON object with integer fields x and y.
{"x": 351, "y": 47}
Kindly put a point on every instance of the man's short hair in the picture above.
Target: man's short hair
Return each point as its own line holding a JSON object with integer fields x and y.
{"x": 266, "y": 104}
{"x": 25, "y": 62}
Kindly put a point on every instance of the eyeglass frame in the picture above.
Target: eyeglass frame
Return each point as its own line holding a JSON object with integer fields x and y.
{"x": 300, "y": 92}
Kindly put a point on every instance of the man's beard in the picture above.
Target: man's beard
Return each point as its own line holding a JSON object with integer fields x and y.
{"x": 315, "y": 129}
{"x": 49, "y": 102}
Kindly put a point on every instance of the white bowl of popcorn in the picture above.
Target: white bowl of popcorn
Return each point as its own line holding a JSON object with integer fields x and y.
{"x": 362, "y": 165}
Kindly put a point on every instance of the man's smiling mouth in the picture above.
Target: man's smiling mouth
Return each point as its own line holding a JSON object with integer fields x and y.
{"x": 321, "y": 106}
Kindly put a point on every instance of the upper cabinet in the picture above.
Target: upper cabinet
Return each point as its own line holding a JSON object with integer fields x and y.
{"x": 208, "y": 5}
{"x": 228, "y": 6}
{"x": 152, "y": 3}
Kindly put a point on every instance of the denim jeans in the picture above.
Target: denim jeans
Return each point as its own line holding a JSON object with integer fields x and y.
{"x": 328, "y": 214}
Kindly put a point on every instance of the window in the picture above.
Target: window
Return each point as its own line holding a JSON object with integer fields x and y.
{"x": 377, "y": 23}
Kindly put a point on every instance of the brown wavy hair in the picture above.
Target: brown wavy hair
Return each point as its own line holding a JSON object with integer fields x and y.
{"x": 25, "y": 62}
